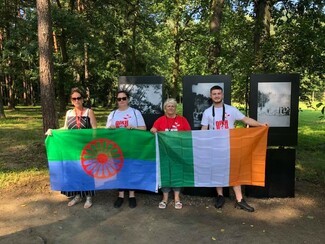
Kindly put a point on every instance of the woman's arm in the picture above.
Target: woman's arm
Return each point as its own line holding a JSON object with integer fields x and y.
{"x": 92, "y": 117}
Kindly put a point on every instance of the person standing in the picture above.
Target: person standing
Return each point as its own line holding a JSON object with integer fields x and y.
{"x": 79, "y": 118}
{"x": 170, "y": 122}
{"x": 222, "y": 116}
{"x": 125, "y": 117}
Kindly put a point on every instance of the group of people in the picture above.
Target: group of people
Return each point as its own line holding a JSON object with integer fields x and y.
{"x": 219, "y": 116}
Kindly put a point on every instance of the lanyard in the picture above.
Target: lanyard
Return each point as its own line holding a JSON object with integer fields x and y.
{"x": 213, "y": 115}
{"x": 78, "y": 119}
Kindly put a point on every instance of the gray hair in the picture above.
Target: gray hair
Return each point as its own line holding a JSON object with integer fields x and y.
{"x": 170, "y": 101}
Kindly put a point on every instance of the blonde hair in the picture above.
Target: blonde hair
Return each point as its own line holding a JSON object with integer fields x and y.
{"x": 170, "y": 101}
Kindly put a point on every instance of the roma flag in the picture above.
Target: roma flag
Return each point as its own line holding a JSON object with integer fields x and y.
{"x": 209, "y": 158}
{"x": 95, "y": 159}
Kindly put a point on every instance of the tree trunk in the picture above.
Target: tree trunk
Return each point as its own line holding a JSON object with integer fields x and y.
{"x": 2, "y": 111}
{"x": 176, "y": 66}
{"x": 61, "y": 81}
{"x": 46, "y": 65}
{"x": 11, "y": 96}
{"x": 61, "y": 44}
{"x": 176, "y": 69}
{"x": 134, "y": 37}
{"x": 262, "y": 10}
{"x": 25, "y": 88}
{"x": 86, "y": 62}
{"x": 215, "y": 26}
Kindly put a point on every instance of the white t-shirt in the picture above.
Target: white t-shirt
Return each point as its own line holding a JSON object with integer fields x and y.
{"x": 129, "y": 117}
{"x": 215, "y": 123}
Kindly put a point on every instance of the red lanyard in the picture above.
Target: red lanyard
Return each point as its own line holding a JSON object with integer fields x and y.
{"x": 78, "y": 118}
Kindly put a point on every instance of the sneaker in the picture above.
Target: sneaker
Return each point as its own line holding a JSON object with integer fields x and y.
{"x": 243, "y": 205}
{"x": 220, "y": 201}
{"x": 118, "y": 203}
{"x": 132, "y": 202}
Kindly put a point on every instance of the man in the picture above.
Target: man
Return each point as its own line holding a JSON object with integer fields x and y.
{"x": 222, "y": 116}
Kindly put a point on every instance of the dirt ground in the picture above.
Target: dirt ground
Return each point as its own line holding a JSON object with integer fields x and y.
{"x": 32, "y": 213}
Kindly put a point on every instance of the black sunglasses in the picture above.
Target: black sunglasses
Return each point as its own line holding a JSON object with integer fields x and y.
{"x": 121, "y": 98}
{"x": 76, "y": 98}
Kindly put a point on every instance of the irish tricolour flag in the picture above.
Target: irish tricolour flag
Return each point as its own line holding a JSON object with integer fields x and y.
{"x": 212, "y": 158}
{"x": 96, "y": 159}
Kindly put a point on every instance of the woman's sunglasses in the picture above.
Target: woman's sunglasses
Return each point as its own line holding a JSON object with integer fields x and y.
{"x": 76, "y": 98}
{"x": 121, "y": 98}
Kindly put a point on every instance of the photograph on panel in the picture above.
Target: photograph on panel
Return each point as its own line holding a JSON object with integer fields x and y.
{"x": 273, "y": 103}
{"x": 147, "y": 98}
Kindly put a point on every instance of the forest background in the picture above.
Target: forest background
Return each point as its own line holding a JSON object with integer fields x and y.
{"x": 47, "y": 47}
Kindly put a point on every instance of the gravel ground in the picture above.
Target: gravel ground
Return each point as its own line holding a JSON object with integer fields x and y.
{"x": 32, "y": 213}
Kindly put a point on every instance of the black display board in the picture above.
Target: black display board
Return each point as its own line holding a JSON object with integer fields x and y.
{"x": 280, "y": 175}
{"x": 274, "y": 99}
{"x": 146, "y": 95}
{"x": 196, "y": 95}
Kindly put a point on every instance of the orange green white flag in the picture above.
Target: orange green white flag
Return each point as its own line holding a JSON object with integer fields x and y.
{"x": 209, "y": 158}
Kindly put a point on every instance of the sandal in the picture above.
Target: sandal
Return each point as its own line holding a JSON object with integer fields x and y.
{"x": 162, "y": 205}
{"x": 75, "y": 200}
{"x": 178, "y": 205}
{"x": 88, "y": 202}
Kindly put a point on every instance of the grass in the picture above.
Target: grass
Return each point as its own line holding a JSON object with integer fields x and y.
{"x": 310, "y": 164}
{"x": 22, "y": 151}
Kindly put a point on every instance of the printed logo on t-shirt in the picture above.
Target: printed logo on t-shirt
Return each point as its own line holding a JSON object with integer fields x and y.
{"x": 223, "y": 124}
{"x": 123, "y": 123}
{"x": 174, "y": 127}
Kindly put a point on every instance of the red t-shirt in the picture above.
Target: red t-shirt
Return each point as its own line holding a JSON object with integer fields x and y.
{"x": 178, "y": 123}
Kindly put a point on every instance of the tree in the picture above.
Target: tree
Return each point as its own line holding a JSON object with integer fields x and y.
{"x": 262, "y": 9}
{"x": 215, "y": 25}
{"x": 2, "y": 111}
{"x": 46, "y": 65}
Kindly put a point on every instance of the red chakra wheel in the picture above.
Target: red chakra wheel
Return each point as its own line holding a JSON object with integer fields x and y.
{"x": 102, "y": 158}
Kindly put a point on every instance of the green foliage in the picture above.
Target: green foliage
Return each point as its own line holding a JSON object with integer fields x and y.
{"x": 140, "y": 38}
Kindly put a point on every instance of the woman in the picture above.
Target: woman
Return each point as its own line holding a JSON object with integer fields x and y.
{"x": 130, "y": 118}
{"x": 79, "y": 118}
{"x": 170, "y": 122}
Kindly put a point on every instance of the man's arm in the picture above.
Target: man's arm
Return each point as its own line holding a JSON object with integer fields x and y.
{"x": 252, "y": 122}
{"x": 204, "y": 127}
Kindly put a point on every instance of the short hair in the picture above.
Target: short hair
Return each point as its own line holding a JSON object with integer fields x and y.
{"x": 125, "y": 92}
{"x": 170, "y": 101}
{"x": 79, "y": 90}
{"x": 216, "y": 88}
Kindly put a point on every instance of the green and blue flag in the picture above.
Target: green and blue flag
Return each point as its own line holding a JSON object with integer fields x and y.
{"x": 97, "y": 159}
